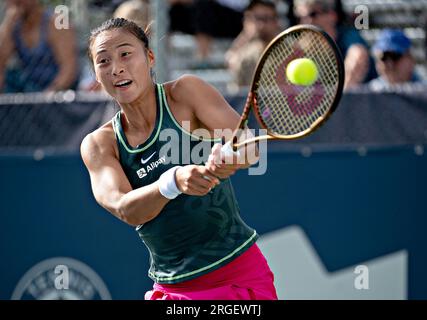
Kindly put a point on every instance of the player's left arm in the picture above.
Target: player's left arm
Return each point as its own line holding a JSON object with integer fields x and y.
{"x": 216, "y": 115}
{"x": 64, "y": 46}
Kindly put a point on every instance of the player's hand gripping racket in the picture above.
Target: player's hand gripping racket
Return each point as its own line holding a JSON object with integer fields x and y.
{"x": 284, "y": 109}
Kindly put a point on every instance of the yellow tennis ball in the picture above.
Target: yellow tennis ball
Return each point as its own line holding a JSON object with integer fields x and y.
{"x": 302, "y": 72}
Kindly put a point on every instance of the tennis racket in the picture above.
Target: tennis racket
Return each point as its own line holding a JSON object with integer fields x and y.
{"x": 285, "y": 110}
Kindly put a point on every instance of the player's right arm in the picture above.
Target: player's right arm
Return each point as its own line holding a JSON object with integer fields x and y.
{"x": 110, "y": 185}
{"x": 113, "y": 191}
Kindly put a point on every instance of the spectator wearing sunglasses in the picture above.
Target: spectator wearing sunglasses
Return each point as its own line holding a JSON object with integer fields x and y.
{"x": 328, "y": 15}
{"x": 394, "y": 61}
{"x": 260, "y": 25}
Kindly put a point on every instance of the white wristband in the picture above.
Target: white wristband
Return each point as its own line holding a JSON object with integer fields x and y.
{"x": 167, "y": 184}
{"x": 227, "y": 151}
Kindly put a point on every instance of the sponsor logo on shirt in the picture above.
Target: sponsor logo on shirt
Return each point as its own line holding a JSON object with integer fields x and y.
{"x": 142, "y": 172}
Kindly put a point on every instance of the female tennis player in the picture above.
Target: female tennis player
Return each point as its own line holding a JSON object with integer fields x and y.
{"x": 185, "y": 212}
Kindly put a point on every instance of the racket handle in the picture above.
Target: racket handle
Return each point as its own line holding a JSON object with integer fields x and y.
{"x": 227, "y": 150}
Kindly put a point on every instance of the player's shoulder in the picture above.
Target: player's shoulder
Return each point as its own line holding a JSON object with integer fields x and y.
{"x": 186, "y": 87}
{"x": 98, "y": 143}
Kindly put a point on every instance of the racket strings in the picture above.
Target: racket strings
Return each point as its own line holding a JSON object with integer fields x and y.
{"x": 288, "y": 109}
{"x": 302, "y": 98}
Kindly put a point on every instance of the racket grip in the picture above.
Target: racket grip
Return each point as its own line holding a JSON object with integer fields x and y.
{"x": 227, "y": 151}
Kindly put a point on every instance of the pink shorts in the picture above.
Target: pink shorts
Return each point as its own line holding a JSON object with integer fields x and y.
{"x": 248, "y": 277}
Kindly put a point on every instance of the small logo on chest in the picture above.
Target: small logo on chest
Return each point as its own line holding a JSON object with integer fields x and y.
{"x": 142, "y": 172}
{"x": 144, "y": 161}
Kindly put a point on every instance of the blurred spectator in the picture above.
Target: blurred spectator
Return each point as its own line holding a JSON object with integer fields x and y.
{"x": 328, "y": 15}
{"x": 394, "y": 61}
{"x": 181, "y": 16}
{"x": 290, "y": 14}
{"x": 260, "y": 26}
{"x": 207, "y": 19}
{"x": 137, "y": 11}
{"x": 45, "y": 58}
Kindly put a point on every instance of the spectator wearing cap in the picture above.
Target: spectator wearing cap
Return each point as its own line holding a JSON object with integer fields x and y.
{"x": 394, "y": 61}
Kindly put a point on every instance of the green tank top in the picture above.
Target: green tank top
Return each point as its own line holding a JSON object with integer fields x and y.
{"x": 192, "y": 235}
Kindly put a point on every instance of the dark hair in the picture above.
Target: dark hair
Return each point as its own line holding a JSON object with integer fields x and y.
{"x": 327, "y": 5}
{"x": 119, "y": 23}
{"x": 265, "y": 3}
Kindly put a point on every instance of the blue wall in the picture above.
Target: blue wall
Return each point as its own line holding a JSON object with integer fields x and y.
{"x": 353, "y": 208}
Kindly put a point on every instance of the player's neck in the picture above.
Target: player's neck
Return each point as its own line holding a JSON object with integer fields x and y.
{"x": 140, "y": 115}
